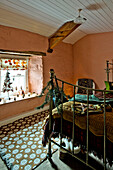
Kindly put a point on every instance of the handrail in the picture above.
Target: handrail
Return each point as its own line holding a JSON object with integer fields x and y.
{"x": 87, "y": 88}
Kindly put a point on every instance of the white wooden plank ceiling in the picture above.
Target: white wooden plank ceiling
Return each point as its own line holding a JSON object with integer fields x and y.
{"x": 46, "y": 16}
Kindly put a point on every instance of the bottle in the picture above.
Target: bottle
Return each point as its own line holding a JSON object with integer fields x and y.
{"x": 21, "y": 92}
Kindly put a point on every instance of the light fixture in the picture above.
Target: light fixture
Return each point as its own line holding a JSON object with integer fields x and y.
{"x": 79, "y": 19}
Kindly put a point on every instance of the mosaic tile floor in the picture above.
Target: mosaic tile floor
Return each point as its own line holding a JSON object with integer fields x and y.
{"x": 21, "y": 142}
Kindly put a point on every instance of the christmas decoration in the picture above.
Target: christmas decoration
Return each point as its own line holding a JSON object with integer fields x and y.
{"x": 54, "y": 91}
{"x": 7, "y": 84}
{"x": 47, "y": 98}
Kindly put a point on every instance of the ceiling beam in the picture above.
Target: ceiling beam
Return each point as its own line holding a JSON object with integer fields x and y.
{"x": 66, "y": 29}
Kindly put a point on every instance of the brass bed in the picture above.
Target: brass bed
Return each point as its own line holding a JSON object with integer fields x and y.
{"x": 91, "y": 127}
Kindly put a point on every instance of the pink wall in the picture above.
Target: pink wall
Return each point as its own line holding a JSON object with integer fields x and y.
{"x": 85, "y": 59}
{"x": 12, "y": 109}
{"x": 61, "y": 60}
{"x": 90, "y": 55}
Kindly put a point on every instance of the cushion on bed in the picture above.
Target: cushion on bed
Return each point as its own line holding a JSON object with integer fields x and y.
{"x": 109, "y": 86}
{"x": 100, "y": 95}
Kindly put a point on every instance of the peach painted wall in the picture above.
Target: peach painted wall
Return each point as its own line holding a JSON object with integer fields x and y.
{"x": 61, "y": 60}
{"x": 12, "y": 109}
{"x": 90, "y": 55}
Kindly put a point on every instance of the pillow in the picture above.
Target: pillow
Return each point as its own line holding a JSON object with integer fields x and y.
{"x": 109, "y": 86}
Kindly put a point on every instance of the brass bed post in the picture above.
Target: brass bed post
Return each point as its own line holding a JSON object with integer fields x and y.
{"x": 107, "y": 70}
{"x": 87, "y": 138}
{"x": 104, "y": 132}
{"x": 61, "y": 112}
{"x": 73, "y": 134}
{"x": 49, "y": 155}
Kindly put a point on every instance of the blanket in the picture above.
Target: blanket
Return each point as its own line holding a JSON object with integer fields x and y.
{"x": 95, "y": 99}
{"x": 96, "y": 118}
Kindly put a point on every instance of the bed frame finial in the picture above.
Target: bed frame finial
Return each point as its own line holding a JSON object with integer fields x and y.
{"x": 52, "y": 73}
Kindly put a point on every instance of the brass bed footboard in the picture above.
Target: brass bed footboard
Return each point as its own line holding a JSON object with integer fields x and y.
{"x": 60, "y": 110}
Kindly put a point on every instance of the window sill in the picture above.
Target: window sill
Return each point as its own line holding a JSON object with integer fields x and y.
{"x": 15, "y": 98}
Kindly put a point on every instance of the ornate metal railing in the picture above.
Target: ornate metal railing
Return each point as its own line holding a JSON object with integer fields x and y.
{"x": 53, "y": 79}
